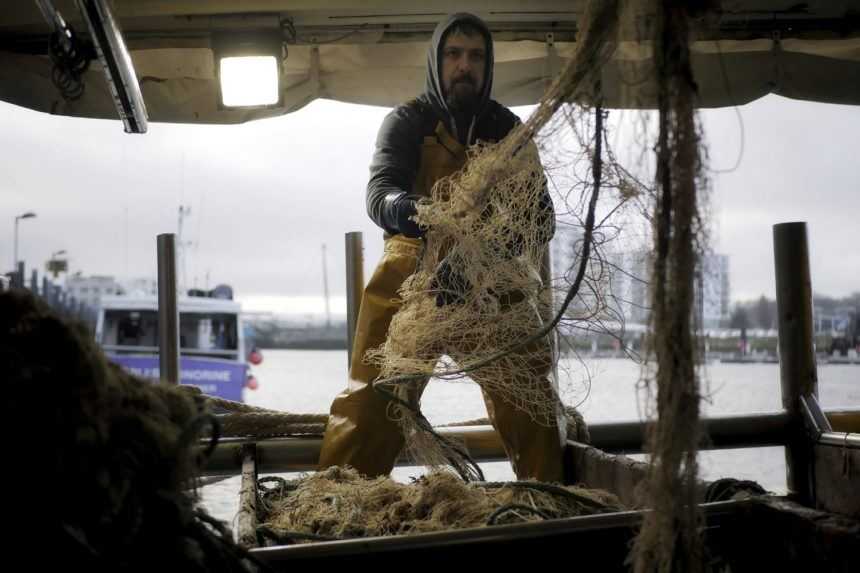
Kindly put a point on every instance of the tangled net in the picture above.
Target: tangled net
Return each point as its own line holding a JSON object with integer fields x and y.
{"x": 109, "y": 460}
{"x": 338, "y": 503}
{"x": 488, "y": 227}
{"x": 487, "y": 233}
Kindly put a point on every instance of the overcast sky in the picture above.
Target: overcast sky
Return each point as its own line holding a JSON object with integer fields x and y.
{"x": 265, "y": 196}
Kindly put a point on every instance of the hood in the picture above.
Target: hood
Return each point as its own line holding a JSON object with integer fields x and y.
{"x": 433, "y": 88}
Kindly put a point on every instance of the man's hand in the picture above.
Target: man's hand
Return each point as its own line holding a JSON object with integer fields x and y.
{"x": 449, "y": 284}
{"x": 406, "y": 207}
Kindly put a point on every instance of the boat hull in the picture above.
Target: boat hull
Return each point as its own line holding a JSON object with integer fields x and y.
{"x": 221, "y": 378}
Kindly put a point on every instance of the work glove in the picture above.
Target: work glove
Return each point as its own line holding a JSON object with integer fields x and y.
{"x": 449, "y": 284}
{"x": 406, "y": 207}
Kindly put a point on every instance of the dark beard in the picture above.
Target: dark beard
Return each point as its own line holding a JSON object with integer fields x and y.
{"x": 462, "y": 101}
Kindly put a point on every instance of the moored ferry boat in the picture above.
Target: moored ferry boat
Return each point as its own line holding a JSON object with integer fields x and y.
{"x": 212, "y": 343}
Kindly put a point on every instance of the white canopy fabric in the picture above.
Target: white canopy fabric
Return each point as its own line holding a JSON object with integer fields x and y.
{"x": 377, "y": 55}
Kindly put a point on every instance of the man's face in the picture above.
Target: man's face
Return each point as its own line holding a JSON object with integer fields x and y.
{"x": 464, "y": 61}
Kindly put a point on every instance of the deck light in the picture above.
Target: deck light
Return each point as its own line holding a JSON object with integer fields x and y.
{"x": 248, "y": 66}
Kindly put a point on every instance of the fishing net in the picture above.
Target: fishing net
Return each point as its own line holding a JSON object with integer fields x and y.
{"x": 106, "y": 462}
{"x": 670, "y": 539}
{"x": 478, "y": 296}
{"x": 339, "y": 503}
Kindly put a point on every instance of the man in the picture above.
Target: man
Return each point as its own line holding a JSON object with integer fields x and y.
{"x": 420, "y": 142}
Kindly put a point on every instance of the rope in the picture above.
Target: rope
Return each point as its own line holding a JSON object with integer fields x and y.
{"x": 513, "y": 507}
{"x": 553, "y": 489}
{"x": 269, "y": 424}
{"x": 253, "y": 421}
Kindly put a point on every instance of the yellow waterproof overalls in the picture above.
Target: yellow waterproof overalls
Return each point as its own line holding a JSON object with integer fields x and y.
{"x": 359, "y": 432}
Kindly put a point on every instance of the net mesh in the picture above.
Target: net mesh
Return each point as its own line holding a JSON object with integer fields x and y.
{"x": 478, "y": 296}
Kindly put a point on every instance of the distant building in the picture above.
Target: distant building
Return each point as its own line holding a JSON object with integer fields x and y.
{"x": 833, "y": 321}
{"x": 90, "y": 290}
{"x": 630, "y": 272}
{"x": 713, "y": 290}
{"x": 564, "y": 251}
{"x": 623, "y": 277}
{"x": 140, "y": 287}
{"x": 628, "y": 276}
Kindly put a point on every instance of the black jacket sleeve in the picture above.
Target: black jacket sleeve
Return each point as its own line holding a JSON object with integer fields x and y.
{"x": 393, "y": 170}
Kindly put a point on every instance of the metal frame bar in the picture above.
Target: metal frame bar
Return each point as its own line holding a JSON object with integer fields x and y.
{"x": 354, "y": 286}
{"x": 168, "y": 310}
{"x": 297, "y": 454}
{"x": 798, "y": 375}
{"x": 447, "y": 540}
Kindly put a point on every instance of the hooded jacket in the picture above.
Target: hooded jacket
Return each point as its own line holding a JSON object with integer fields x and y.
{"x": 390, "y": 192}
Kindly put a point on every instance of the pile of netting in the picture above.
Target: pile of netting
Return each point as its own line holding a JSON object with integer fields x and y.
{"x": 106, "y": 462}
{"x": 338, "y": 503}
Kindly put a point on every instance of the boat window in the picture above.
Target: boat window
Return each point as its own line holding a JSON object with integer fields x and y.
{"x": 208, "y": 331}
{"x": 199, "y": 333}
{"x": 133, "y": 328}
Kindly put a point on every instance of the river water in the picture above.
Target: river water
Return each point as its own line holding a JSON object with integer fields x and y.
{"x": 305, "y": 381}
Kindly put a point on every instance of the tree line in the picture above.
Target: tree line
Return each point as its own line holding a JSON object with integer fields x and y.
{"x": 761, "y": 313}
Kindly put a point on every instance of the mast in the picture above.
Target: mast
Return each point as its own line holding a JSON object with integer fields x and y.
{"x": 180, "y": 247}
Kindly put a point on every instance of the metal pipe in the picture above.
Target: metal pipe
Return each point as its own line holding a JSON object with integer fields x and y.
{"x": 751, "y": 431}
{"x": 484, "y": 445}
{"x": 168, "y": 310}
{"x": 816, "y": 420}
{"x": 841, "y": 439}
{"x": 797, "y": 373}
{"x": 354, "y": 286}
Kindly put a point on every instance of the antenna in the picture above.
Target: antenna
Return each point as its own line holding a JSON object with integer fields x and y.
{"x": 180, "y": 245}
{"x": 325, "y": 290}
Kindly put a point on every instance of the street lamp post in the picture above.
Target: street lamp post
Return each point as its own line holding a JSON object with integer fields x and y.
{"x": 27, "y": 215}
{"x": 54, "y": 266}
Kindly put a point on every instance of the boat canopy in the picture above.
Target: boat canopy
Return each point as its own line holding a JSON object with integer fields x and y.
{"x": 374, "y": 53}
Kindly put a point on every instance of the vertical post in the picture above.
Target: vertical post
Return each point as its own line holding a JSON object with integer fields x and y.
{"x": 797, "y": 373}
{"x": 15, "y": 246}
{"x": 168, "y": 311}
{"x": 19, "y": 275}
{"x": 354, "y": 286}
